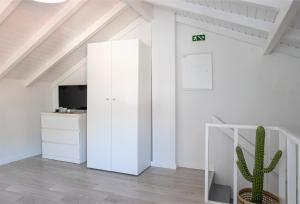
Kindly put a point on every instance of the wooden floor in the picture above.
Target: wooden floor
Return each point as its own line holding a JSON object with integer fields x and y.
{"x": 39, "y": 181}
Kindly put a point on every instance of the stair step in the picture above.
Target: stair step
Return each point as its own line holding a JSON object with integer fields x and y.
{"x": 220, "y": 193}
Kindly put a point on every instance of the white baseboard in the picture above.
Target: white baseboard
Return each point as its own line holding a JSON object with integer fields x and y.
{"x": 190, "y": 165}
{"x": 75, "y": 161}
{"x": 18, "y": 157}
{"x": 167, "y": 165}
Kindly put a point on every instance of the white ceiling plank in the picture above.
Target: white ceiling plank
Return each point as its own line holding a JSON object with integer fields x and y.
{"x": 221, "y": 31}
{"x": 142, "y": 8}
{"x": 77, "y": 42}
{"x": 82, "y": 62}
{"x": 43, "y": 33}
{"x": 69, "y": 72}
{"x": 180, "y": 5}
{"x": 288, "y": 50}
{"x": 128, "y": 28}
{"x": 268, "y": 3}
{"x": 292, "y": 35}
{"x": 7, "y": 7}
{"x": 285, "y": 17}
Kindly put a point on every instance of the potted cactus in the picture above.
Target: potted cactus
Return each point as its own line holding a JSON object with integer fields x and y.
{"x": 257, "y": 194}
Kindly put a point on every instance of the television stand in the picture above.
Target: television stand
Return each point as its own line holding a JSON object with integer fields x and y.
{"x": 64, "y": 136}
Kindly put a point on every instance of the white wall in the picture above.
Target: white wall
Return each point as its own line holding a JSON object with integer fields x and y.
{"x": 20, "y": 110}
{"x": 248, "y": 88}
{"x": 163, "y": 88}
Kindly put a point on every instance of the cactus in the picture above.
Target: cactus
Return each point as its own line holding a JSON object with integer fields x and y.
{"x": 257, "y": 178}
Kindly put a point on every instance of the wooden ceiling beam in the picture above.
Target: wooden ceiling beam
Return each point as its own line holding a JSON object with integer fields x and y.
{"x": 7, "y": 7}
{"x": 77, "y": 42}
{"x": 179, "y": 5}
{"x": 284, "y": 19}
{"x": 42, "y": 34}
{"x": 220, "y": 31}
{"x": 267, "y": 3}
{"x": 142, "y": 8}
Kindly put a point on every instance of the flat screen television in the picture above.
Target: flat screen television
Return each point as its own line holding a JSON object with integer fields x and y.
{"x": 73, "y": 97}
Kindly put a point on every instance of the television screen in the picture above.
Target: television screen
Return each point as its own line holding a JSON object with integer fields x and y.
{"x": 73, "y": 97}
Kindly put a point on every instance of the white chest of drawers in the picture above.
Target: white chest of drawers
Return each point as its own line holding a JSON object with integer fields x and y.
{"x": 64, "y": 137}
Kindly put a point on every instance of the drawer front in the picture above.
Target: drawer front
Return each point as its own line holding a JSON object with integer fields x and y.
{"x": 60, "y": 136}
{"x": 61, "y": 150}
{"x": 60, "y": 122}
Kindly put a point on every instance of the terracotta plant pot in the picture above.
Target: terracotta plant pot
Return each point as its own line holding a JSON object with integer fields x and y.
{"x": 244, "y": 197}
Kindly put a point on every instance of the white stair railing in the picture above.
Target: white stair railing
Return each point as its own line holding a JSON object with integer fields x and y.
{"x": 248, "y": 145}
{"x": 289, "y": 165}
{"x": 243, "y": 141}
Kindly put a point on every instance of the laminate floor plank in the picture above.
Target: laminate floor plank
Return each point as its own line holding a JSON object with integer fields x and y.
{"x": 41, "y": 181}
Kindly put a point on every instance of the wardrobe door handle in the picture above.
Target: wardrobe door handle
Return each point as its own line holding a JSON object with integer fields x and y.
{"x": 114, "y": 99}
{"x": 107, "y": 99}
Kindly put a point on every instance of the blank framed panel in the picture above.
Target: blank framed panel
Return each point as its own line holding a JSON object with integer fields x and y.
{"x": 197, "y": 71}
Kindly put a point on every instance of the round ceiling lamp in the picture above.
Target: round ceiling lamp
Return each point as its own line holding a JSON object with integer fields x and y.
{"x": 50, "y": 1}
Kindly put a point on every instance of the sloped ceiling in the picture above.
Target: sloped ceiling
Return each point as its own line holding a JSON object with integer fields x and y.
{"x": 269, "y": 24}
{"x": 105, "y": 34}
{"x": 60, "y": 38}
{"x": 64, "y": 30}
{"x": 40, "y": 42}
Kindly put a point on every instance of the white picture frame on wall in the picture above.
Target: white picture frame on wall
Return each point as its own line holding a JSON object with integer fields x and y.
{"x": 197, "y": 71}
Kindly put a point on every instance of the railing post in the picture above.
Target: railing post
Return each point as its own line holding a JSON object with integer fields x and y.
{"x": 206, "y": 163}
{"x": 298, "y": 174}
{"x": 235, "y": 144}
{"x": 282, "y": 169}
{"x": 291, "y": 171}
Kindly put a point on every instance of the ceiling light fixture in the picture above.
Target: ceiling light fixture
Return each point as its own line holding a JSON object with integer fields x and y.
{"x": 50, "y": 1}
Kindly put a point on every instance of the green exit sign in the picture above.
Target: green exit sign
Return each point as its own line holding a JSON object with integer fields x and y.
{"x": 198, "y": 37}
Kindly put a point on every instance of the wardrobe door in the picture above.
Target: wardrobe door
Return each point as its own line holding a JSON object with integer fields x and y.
{"x": 99, "y": 106}
{"x": 124, "y": 106}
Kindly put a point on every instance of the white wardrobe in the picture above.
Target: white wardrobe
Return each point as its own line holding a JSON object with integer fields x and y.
{"x": 119, "y": 106}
